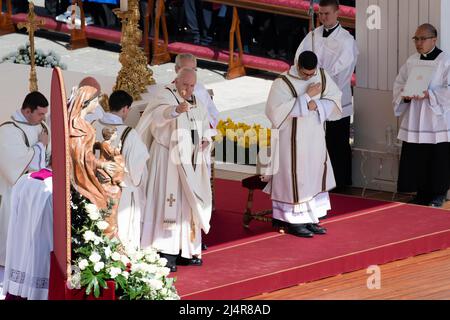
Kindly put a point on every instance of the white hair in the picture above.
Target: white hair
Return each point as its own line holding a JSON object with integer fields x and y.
{"x": 183, "y": 56}
{"x": 185, "y": 71}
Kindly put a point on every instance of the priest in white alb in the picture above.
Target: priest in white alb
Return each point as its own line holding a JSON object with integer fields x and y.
{"x": 135, "y": 154}
{"x": 24, "y": 141}
{"x": 178, "y": 188}
{"x": 337, "y": 53}
{"x": 30, "y": 238}
{"x": 425, "y": 123}
{"x": 300, "y": 175}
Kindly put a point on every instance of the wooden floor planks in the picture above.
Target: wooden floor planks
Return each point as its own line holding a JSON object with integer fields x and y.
{"x": 421, "y": 277}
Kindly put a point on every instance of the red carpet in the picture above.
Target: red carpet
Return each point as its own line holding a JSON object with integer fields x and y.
{"x": 241, "y": 263}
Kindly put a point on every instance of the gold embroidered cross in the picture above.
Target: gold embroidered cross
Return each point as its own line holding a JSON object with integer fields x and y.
{"x": 171, "y": 200}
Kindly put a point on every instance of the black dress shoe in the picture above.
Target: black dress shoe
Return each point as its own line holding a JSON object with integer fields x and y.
{"x": 194, "y": 261}
{"x": 173, "y": 268}
{"x": 316, "y": 229}
{"x": 437, "y": 201}
{"x": 204, "y": 246}
{"x": 300, "y": 230}
{"x": 421, "y": 199}
{"x": 171, "y": 261}
{"x": 417, "y": 200}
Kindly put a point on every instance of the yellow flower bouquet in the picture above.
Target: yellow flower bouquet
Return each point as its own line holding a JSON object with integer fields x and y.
{"x": 239, "y": 142}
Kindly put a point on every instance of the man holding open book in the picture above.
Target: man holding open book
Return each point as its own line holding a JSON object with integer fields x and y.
{"x": 422, "y": 100}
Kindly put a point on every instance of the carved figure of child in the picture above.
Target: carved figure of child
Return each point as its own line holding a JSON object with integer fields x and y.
{"x": 110, "y": 153}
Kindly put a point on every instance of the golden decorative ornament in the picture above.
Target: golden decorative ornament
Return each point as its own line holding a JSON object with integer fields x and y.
{"x": 135, "y": 75}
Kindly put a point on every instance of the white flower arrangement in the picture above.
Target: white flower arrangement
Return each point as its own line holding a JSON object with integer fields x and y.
{"x": 138, "y": 274}
{"x": 92, "y": 211}
{"x": 82, "y": 264}
{"x": 102, "y": 225}
{"x": 22, "y": 56}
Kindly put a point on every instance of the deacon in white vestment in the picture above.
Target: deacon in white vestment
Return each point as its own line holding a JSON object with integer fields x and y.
{"x": 337, "y": 53}
{"x": 24, "y": 141}
{"x": 425, "y": 124}
{"x": 178, "y": 188}
{"x": 299, "y": 103}
{"x": 135, "y": 154}
{"x": 30, "y": 237}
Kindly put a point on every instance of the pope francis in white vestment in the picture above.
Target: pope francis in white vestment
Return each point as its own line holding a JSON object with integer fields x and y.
{"x": 178, "y": 189}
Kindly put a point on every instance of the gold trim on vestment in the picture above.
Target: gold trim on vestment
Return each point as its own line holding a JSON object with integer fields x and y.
{"x": 294, "y": 93}
{"x": 294, "y": 158}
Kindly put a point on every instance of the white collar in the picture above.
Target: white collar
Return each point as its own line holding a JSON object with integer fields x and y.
{"x": 426, "y": 54}
{"x": 293, "y": 72}
{"x": 18, "y": 116}
{"x": 110, "y": 118}
{"x": 328, "y": 29}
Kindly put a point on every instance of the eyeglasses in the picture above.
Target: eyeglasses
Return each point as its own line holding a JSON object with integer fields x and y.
{"x": 417, "y": 39}
{"x": 307, "y": 75}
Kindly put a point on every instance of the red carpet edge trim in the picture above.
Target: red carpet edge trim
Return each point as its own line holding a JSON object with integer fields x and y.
{"x": 349, "y": 216}
{"x": 317, "y": 262}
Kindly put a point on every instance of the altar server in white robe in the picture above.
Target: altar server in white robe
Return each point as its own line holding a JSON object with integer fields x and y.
{"x": 299, "y": 103}
{"x": 178, "y": 189}
{"x": 337, "y": 53}
{"x": 30, "y": 237}
{"x": 24, "y": 142}
{"x": 425, "y": 124}
{"x": 135, "y": 154}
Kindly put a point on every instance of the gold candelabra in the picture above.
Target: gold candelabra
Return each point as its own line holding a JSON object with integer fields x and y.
{"x": 134, "y": 76}
{"x": 32, "y": 25}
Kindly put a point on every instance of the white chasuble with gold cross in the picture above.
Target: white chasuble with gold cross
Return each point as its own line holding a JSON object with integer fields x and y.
{"x": 178, "y": 188}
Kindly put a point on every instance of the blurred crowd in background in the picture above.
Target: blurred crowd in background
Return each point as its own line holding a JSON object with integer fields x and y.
{"x": 204, "y": 23}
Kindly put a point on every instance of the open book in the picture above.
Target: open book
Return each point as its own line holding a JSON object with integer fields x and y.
{"x": 418, "y": 81}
